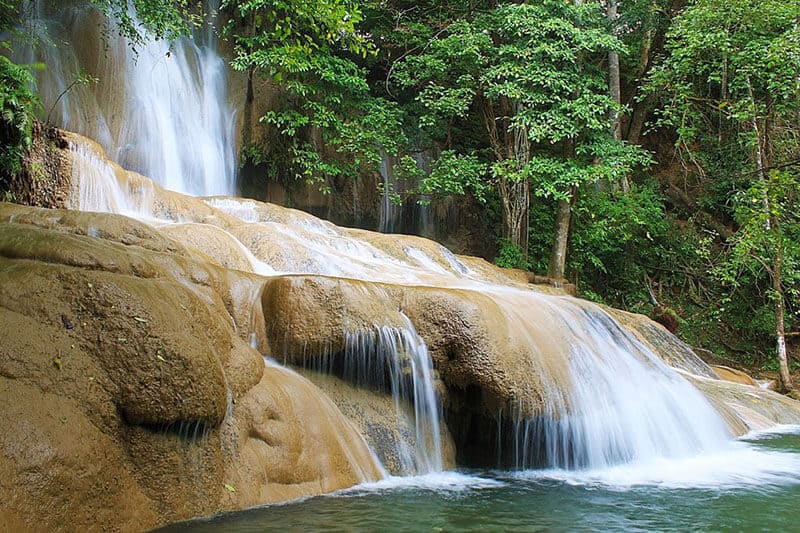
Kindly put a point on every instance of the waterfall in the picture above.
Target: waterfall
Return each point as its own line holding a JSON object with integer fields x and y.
{"x": 617, "y": 401}
{"x": 410, "y": 216}
{"x": 396, "y": 361}
{"x": 158, "y": 108}
{"x": 603, "y": 397}
{"x": 424, "y": 160}
{"x": 99, "y": 185}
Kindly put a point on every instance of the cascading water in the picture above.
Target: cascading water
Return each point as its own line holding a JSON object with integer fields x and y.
{"x": 157, "y": 108}
{"x": 412, "y": 218}
{"x": 606, "y": 398}
{"x": 99, "y": 185}
{"x": 396, "y": 360}
{"x": 424, "y": 160}
{"x": 617, "y": 402}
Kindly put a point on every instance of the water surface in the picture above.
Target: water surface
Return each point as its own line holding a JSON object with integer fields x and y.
{"x": 754, "y": 488}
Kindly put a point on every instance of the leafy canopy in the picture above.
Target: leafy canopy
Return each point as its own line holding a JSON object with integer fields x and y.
{"x": 308, "y": 49}
{"x": 162, "y": 19}
{"x": 528, "y": 68}
{"x": 18, "y": 108}
{"x": 731, "y": 59}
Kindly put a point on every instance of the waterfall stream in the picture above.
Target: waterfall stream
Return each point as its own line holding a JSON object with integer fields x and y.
{"x": 396, "y": 361}
{"x": 163, "y": 112}
{"x": 616, "y": 402}
{"x": 157, "y": 108}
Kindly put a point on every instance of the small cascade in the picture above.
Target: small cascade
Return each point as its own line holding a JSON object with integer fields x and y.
{"x": 615, "y": 402}
{"x": 98, "y": 185}
{"x": 410, "y": 217}
{"x": 424, "y": 161}
{"x": 396, "y": 360}
{"x": 361, "y": 459}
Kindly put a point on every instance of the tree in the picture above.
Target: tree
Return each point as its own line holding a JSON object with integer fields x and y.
{"x": 642, "y": 26}
{"x": 529, "y": 73}
{"x": 308, "y": 50}
{"x": 615, "y": 82}
{"x": 19, "y": 103}
{"x": 767, "y": 242}
{"x": 18, "y": 108}
{"x": 731, "y": 79}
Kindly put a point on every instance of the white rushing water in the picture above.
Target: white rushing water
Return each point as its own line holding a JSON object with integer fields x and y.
{"x": 621, "y": 404}
{"x": 96, "y": 187}
{"x": 157, "y": 108}
{"x": 396, "y": 361}
{"x": 738, "y": 464}
{"x": 615, "y": 413}
{"x": 610, "y": 406}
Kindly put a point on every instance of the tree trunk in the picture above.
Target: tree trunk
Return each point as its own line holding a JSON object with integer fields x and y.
{"x": 516, "y": 192}
{"x": 780, "y": 333}
{"x": 653, "y": 47}
{"x": 774, "y": 228}
{"x": 638, "y": 118}
{"x": 615, "y": 88}
{"x": 516, "y": 202}
{"x": 558, "y": 257}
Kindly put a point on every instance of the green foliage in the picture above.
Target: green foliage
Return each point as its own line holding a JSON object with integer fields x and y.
{"x": 541, "y": 217}
{"x": 617, "y": 240}
{"x": 9, "y": 17}
{"x": 254, "y": 154}
{"x": 329, "y": 124}
{"x": 605, "y": 160}
{"x": 728, "y": 88}
{"x": 18, "y": 108}
{"x": 729, "y": 61}
{"x": 454, "y": 173}
{"x": 750, "y": 255}
{"x": 511, "y": 256}
{"x": 529, "y": 75}
{"x": 294, "y": 29}
{"x": 163, "y": 19}
{"x": 531, "y": 54}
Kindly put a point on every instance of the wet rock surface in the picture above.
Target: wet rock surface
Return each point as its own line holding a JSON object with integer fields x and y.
{"x": 136, "y": 397}
{"x": 130, "y": 399}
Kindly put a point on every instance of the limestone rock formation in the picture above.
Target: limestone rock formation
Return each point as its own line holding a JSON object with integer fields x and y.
{"x": 130, "y": 398}
{"x": 734, "y": 375}
{"x": 136, "y": 396}
{"x": 486, "y": 358}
